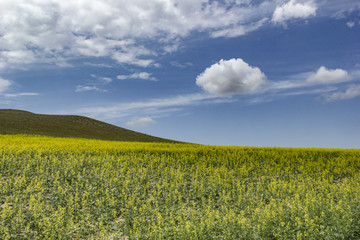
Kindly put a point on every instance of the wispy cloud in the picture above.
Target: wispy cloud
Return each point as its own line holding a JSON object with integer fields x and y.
{"x": 317, "y": 82}
{"x": 340, "y": 9}
{"x": 100, "y": 65}
{"x": 81, "y": 88}
{"x": 352, "y": 92}
{"x": 140, "y": 122}
{"x": 274, "y": 95}
{"x": 95, "y": 85}
{"x": 102, "y": 80}
{"x": 222, "y": 82}
{"x": 138, "y": 75}
{"x": 322, "y": 76}
{"x": 4, "y": 84}
{"x": 5, "y": 90}
{"x": 13, "y": 95}
{"x": 181, "y": 65}
{"x": 240, "y": 30}
{"x": 350, "y": 24}
{"x": 150, "y": 107}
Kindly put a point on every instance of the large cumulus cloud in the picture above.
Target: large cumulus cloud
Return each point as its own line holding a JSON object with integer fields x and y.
{"x": 230, "y": 77}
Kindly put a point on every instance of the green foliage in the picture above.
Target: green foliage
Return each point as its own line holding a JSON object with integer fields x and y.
{"x": 58, "y": 188}
{"x": 22, "y": 122}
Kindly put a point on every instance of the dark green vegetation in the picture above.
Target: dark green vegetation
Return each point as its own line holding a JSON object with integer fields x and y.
{"x": 23, "y": 122}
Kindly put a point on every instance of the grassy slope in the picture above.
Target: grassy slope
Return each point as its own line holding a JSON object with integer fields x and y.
{"x": 22, "y": 122}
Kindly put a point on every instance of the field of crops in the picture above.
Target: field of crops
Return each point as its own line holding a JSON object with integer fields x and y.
{"x": 57, "y": 188}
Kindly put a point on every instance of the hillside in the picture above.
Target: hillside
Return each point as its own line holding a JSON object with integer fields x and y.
{"x": 23, "y": 122}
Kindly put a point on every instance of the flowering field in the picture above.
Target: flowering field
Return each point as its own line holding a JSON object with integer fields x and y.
{"x": 58, "y": 188}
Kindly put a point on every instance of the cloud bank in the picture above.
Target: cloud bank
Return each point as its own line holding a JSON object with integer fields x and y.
{"x": 128, "y": 32}
{"x": 230, "y": 77}
{"x": 293, "y": 9}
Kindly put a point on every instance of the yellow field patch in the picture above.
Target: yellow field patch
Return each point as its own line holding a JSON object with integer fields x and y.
{"x": 62, "y": 188}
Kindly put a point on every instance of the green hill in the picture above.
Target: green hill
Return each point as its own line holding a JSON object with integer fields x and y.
{"x": 23, "y": 122}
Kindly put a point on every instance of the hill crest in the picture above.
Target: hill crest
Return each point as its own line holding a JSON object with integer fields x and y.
{"x": 24, "y": 122}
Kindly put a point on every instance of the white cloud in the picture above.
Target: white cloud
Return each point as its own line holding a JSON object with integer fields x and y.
{"x": 159, "y": 107}
{"x": 341, "y": 9}
{"x": 81, "y": 88}
{"x": 140, "y": 122}
{"x": 132, "y": 56}
{"x": 350, "y": 24}
{"x": 149, "y": 107}
{"x": 101, "y": 65}
{"x": 329, "y": 76}
{"x": 4, "y": 85}
{"x": 97, "y": 85}
{"x": 139, "y": 75}
{"x": 230, "y": 77}
{"x": 238, "y": 30}
{"x": 181, "y": 65}
{"x": 286, "y": 84}
{"x": 270, "y": 96}
{"x": 102, "y": 80}
{"x": 105, "y": 80}
{"x": 293, "y": 9}
{"x": 304, "y": 83}
{"x": 11, "y": 95}
{"x": 128, "y": 32}
{"x": 352, "y": 92}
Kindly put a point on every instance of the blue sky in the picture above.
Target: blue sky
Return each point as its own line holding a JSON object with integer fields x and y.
{"x": 231, "y": 72}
